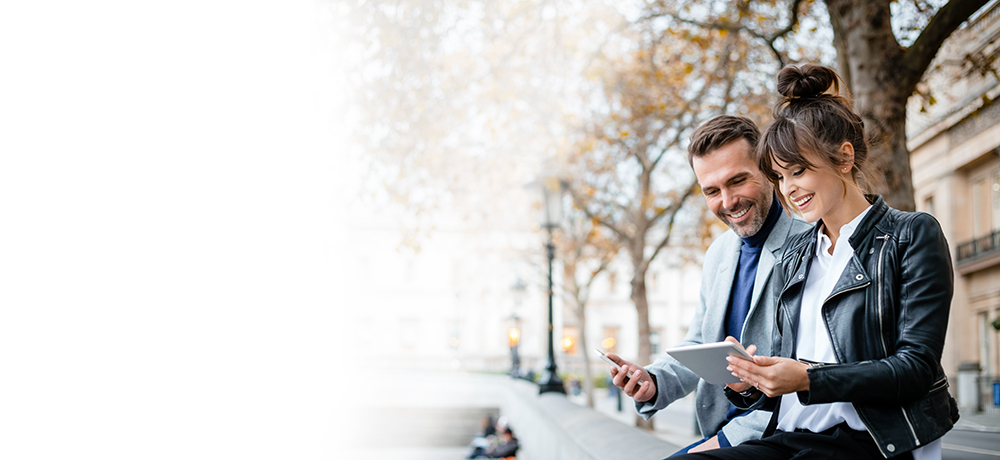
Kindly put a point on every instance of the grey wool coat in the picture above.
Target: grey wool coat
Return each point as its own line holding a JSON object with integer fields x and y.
{"x": 674, "y": 381}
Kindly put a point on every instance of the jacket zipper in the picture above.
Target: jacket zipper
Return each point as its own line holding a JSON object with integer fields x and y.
{"x": 909, "y": 424}
{"x": 943, "y": 383}
{"x": 878, "y": 295}
{"x": 881, "y": 328}
{"x": 854, "y": 288}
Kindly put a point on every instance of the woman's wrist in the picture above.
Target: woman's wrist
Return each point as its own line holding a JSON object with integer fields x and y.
{"x": 804, "y": 381}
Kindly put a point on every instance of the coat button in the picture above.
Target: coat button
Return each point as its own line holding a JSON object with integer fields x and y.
{"x": 859, "y": 277}
{"x": 802, "y": 276}
{"x": 871, "y": 251}
{"x": 890, "y": 448}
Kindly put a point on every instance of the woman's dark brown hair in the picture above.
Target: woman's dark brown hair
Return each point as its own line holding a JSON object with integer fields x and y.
{"x": 812, "y": 117}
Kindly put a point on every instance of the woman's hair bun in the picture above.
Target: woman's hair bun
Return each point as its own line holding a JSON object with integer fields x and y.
{"x": 809, "y": 80}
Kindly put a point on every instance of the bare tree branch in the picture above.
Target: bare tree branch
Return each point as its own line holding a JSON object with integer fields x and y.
{"x": 736, "y": 28}
{"x": 582, "y": 204}
{"x": 676, "y": 206}
{"x": 917, "y": 57}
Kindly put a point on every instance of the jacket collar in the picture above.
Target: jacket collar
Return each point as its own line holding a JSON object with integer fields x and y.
{"x": 867, "y": 224}
{"x": 875, "y": 214}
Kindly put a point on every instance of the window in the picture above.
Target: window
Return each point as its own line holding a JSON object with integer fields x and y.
{"x": 996, "y": 199}
{"x": 980, "y": 208}
{"x": 655, "y": 339}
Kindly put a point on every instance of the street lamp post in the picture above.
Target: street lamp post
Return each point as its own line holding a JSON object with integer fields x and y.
{"x": 513, "y": 335}
{"x": 514, "y": 332}
{"x": 551, "y": 213}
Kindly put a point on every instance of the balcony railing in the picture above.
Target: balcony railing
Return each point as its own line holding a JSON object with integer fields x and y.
{"x": 979, "y": 247}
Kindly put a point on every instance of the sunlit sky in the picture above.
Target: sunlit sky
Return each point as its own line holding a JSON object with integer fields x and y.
{"x": 170, "y": 196}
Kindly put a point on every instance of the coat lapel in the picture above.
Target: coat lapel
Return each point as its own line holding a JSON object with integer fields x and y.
{"x": 768, "y": 257}
{"x": 720, "y": 301}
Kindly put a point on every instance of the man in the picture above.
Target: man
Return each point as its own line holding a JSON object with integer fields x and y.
{"x": 735, "y": 286}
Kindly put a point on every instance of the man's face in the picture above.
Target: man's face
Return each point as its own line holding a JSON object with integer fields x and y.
{"x": 735, "y": 189}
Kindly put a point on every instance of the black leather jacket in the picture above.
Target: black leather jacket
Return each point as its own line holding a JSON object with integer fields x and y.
{"x": 887, "y": 317}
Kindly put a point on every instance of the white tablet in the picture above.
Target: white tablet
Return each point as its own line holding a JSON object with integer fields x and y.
{"x": 708, "y": 360}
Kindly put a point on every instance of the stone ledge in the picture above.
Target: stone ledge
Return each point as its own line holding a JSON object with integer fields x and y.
{"x": 550, "y": 427}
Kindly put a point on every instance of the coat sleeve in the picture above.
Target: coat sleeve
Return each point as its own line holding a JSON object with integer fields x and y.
{"x": 673, "y": 379}
{"x": 924, "y": 276}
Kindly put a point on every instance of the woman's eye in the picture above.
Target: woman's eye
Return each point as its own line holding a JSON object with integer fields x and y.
{"x": 799, "y": 172}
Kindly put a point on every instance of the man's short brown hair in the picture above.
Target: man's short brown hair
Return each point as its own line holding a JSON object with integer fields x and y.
{"x": 720, "y": 131}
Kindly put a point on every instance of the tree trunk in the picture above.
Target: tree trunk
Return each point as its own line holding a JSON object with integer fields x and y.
{"x": 642, "y": 313}
{"x": 867, "y": 49}
{"x": 588, "y": 375}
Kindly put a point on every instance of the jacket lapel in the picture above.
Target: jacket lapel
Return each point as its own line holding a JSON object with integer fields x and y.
{"x": 853, "y": 277}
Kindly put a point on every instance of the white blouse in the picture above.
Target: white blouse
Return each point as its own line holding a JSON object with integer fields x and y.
{"x": 813, "y": 337}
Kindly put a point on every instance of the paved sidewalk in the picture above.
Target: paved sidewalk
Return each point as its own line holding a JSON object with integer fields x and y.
{"x": 675, "y": 424}
{"x": 978, "y": 422}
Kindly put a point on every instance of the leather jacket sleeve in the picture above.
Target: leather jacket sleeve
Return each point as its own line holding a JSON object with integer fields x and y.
{"x": 921, "y": 276}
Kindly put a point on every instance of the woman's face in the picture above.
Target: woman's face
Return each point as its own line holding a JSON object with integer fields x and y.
{"x": 813, "y": 192}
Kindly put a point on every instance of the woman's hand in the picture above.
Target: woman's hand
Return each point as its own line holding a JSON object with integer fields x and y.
{"x": 740, "y": 387}
{"x": 772, "y": 375}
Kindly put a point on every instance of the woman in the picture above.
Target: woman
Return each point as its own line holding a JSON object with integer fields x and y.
{"x": 864, "y": 302}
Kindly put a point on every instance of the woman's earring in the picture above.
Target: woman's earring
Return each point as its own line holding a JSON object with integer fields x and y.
{"x": 847, "y": 169}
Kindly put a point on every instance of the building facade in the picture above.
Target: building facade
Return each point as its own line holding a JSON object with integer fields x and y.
{"x": 953, "y": 134}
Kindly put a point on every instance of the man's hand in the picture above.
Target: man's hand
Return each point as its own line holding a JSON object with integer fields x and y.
{"x": 771, "y": 375}
{"x": 740, "y": 387}
{"x": 640, "y": 393}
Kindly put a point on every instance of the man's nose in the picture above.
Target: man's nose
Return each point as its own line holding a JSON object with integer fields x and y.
{"x": 729, "y": 199}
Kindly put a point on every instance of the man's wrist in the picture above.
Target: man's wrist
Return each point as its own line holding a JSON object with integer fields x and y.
{"x": 656, "y": 391}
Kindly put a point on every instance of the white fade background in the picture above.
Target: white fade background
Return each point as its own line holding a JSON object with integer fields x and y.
{"x": 172, "y": 188}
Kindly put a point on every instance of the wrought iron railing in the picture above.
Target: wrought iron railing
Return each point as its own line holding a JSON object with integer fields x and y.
{"x": 979, "y": 247}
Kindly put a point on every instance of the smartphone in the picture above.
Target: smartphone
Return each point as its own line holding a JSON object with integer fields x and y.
{"x": 609, "y": 361}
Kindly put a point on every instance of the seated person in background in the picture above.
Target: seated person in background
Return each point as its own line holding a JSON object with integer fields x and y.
{"x": 507, "y": 446}
{"x": 498, "y": 443}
